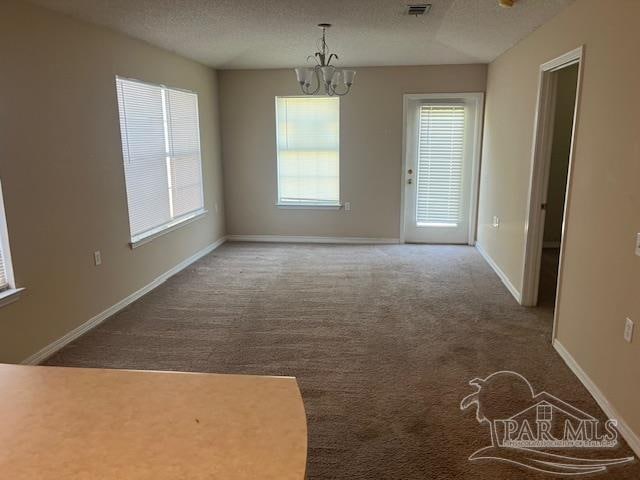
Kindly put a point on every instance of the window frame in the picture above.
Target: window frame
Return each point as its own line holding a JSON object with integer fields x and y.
{"x": 306, "y": 205}
{"x": 11, "y": 293}
{"x": 177, "y": 222}
{"x": 410, "y": 101}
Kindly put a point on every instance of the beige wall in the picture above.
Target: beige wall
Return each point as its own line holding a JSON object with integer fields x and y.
{"x": 601, "y": 274}
{"x": 370, "y": 148}
{"x": 567, "y": 79}
{"x": 62, "y": 175}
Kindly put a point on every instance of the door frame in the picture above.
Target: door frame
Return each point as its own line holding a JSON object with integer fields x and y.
{"x": 539, "y": 176}
{"x": 478, "y": 97}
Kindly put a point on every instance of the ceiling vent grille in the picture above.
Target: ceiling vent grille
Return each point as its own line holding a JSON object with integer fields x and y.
{"x": 418, "y": 9}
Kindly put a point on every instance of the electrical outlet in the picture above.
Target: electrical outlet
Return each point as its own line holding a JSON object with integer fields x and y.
{"x": 347, "y": 206}
{"x": 628, "y": 330}
{"x": 496, "y": 222}
{"x": 97, "y": 258}
{"x": 638, "y": 244}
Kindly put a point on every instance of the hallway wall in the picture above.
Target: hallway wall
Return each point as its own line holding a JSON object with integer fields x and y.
{"x": 601, "y": 275}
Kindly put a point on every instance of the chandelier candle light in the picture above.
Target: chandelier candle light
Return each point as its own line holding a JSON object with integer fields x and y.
{"x": 334, "y": 81}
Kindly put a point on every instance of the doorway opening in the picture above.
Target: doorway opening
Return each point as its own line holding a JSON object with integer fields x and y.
{"x": 566, "y": 80}
{"x": 440, "y": 167}
{"x": 553, "y": 152}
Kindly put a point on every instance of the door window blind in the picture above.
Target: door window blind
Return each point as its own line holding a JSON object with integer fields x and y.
{"x": 440, "y": 160}
{"x": 4, "y": 282}
{"x": 161, "y": 152}
{"x": 308, "y": 145}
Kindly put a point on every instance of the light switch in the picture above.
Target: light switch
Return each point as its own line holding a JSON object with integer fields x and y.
{"x": 97, "y": 258}
{"x": 638, "y": 244}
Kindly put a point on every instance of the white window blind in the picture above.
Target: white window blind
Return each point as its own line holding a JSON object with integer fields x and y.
{"x": 440, "y": 162}
{"x": 4, "y": 282}
{"x": 6, "y": 270}
{"x": 162, "y": 159}
{"x": 308, "y": 144}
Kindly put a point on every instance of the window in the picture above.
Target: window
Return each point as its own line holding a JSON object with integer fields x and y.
{"x": 8, "y": 290}
{"x": 161, "y": 151}
{"x": 308, "y": 143}
{"x": 441, "y": 135}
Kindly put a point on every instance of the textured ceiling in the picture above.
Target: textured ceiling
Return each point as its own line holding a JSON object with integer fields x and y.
{"x": 281, "y": 33}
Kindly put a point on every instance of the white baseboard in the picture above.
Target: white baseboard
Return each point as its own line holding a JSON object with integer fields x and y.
{"x": 507, "y": 283}
{"x": 53, "y": 347}
{"x": 311, "y": 239}
{"x": 550, "y": 244}
{"x": 629, "y": 435}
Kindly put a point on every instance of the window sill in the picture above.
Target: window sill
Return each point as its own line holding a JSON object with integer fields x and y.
{"x": 146, "y": 238}
{"x": 310, "y": 206}
{"x": 10, "y": 296}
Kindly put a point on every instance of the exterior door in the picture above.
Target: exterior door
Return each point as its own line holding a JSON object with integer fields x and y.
{"x": 440, "y": 174}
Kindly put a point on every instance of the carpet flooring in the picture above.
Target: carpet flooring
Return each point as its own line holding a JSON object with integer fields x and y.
{"x": 382, "y": 339}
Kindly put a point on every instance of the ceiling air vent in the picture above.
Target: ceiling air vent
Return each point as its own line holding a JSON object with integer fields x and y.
{"x": 418, "y": 9}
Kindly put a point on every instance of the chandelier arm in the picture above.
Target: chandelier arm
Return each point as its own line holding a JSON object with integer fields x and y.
{"x": 316, "y": 71}
{"x": 306, "y": 87}
{"x": 340, "y": 94}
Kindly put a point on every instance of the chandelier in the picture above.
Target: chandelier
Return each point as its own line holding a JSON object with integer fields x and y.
{"x": 332, "y": 80}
